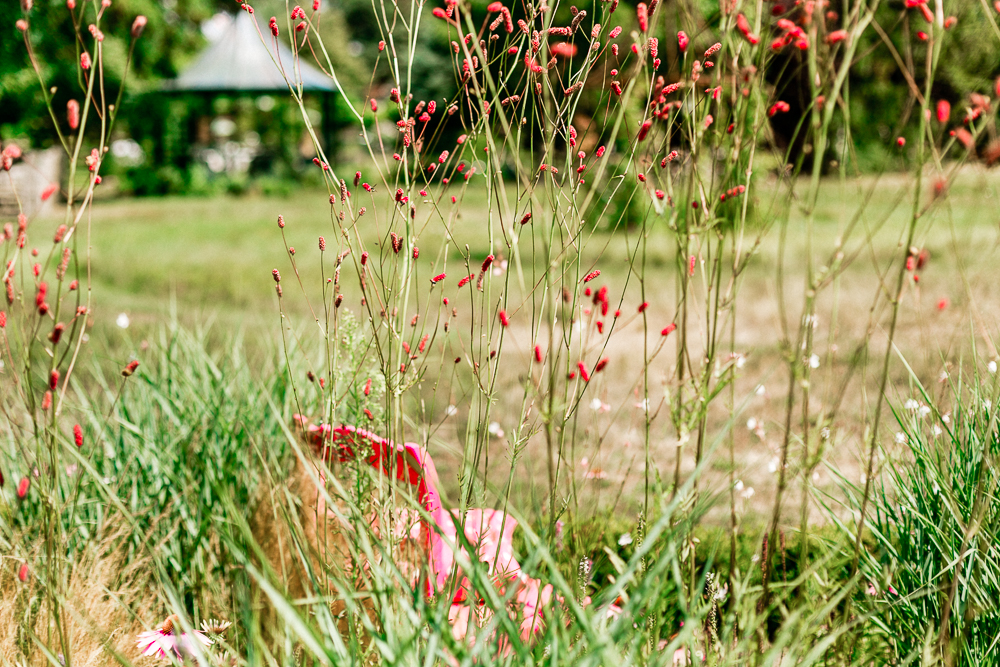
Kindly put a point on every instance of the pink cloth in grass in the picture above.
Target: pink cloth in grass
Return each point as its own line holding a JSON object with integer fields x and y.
{"x": 490, "y": 531}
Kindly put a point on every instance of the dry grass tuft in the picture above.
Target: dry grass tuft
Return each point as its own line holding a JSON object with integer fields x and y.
{"x": 105, "y": 607}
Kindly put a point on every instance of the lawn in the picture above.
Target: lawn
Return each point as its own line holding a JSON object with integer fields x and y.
{"x": 211, "y": 260}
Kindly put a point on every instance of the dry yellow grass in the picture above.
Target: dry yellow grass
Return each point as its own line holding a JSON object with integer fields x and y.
{"x": 106, "y": 605}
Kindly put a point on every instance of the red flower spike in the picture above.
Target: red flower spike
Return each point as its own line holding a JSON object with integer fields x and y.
{"x": 584, "y": 375}
{"x": 669, "y": 329}
{"x": 78, "y": 435}
{"x": 943, "y": 111}
{"x": 778, "y": 107}
{"x": 504, "y": 320}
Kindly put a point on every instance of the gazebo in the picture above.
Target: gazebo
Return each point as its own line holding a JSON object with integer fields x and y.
{"x": 236, "y": 63}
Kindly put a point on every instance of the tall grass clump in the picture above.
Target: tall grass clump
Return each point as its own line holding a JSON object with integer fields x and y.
{"x": 932, "y": 566}
{"x": 408, "y": 477}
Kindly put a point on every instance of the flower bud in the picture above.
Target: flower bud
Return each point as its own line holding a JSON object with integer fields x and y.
{"x": 138, "y": 25}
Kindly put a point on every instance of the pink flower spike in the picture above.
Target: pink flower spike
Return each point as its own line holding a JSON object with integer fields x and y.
{"x": 943, "y": 111}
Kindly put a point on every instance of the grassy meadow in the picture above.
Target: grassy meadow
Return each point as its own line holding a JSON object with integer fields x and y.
{"x": 210, "y": 262}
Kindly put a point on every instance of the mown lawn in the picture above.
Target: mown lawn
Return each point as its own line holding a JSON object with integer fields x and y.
{"x": 211, "y": 260}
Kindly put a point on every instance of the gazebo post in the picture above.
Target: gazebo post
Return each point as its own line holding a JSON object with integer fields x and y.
{"x": 328, "y": 124}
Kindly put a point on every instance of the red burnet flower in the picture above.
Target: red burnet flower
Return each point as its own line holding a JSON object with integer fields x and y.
{"x": 22, "y": 488}
{"x": 504, "y": 319}
{"x": 584, "y": 374}
{"x": 778, "y": 107}
{"x": 743, "y": 25}
{"x": 669, "y": 329}
{"x": 138, "y": 25}
{"x": 590, "y": 276}
{"x": 682, "y": 40}
{"x": 22, "y": 572}
{"x": 73, "y": 114}
{"x": 943, "y": 111}
{"x": 538, "y": 353}
{"x": 438, "y": 278}
{"x": 78, "y": 435}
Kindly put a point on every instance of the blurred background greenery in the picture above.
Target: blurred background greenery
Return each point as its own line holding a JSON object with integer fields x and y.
{"x": 170, "y": 143}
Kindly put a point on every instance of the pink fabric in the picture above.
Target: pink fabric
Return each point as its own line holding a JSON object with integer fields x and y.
{"x": 490, "y": 531}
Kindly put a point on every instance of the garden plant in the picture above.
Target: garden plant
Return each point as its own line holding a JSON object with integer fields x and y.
{"x": 535, "y": 284}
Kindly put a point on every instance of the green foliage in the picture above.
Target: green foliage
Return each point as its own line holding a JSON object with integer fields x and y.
{"x": 933, "y": 570}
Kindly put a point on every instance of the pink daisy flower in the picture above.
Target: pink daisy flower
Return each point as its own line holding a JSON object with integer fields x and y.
{"x": 163, "y": 642}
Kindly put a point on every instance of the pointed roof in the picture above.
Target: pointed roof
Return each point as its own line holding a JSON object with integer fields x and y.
{"x": 238, "y": 61}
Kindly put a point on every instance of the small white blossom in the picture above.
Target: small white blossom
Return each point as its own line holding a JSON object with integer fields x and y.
{"x": 760, "y": 390}
{"x": 992, "y": 367}
{"x": 495, "y": 430}
{"x": 814, "y": 361}
{"x": 936, "y": 430}
{"x": 123, "y": 321}
{"x": 751, "y": 423}
{"x": 923, "y": 411}
{"x": 625, "y": 539}
{"x": 901, "y": 438}
{"x": 451, "y": 411}
{"x": 739, "y": 485}
{"x": 911, "y": 404}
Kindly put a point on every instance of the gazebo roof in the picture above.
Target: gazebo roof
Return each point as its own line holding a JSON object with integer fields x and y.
{"x": 238, "y": 61}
